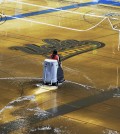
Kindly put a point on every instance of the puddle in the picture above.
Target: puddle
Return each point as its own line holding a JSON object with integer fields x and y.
{"x": 109, "y": 131}
{"x": 24, "y": 116}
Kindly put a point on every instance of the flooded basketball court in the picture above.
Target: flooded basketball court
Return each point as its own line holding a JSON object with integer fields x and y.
{"x": 87, "y": 37}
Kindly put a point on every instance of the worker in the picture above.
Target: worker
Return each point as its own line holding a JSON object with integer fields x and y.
{"x": 60, "y": 75}
{"x": 55, "y": 56}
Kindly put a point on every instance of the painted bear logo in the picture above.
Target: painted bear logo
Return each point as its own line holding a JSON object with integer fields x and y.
{"x": 66, "y": 48}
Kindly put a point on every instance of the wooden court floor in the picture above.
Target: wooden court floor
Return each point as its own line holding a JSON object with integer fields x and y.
{"x": 88, "y": 102}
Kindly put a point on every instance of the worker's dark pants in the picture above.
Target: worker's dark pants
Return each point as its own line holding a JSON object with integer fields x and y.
{"x": 60, "y": 74}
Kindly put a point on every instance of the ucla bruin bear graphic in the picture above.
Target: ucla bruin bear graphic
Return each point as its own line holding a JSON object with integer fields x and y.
{"x": 67, "y": 48}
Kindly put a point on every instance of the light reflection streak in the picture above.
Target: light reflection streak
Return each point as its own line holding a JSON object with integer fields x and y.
{"x": 44, "y": 88}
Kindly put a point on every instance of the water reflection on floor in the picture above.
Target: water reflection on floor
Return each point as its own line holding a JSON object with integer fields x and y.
{"x": 89, "y": 100}
{"x": 46, "y": 112}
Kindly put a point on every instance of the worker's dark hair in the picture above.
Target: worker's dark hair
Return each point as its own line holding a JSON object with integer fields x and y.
{"x": 54, "y": 53}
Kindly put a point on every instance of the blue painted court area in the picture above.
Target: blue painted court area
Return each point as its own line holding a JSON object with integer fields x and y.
{"x": 109, "y": 2}
{"x": 51, "y": 10}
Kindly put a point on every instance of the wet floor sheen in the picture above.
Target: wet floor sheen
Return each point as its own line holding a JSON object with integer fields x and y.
{"x": 88, "y": 102}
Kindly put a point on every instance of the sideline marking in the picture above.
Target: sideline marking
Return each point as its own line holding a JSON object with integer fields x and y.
{"x": 49, "y": 9}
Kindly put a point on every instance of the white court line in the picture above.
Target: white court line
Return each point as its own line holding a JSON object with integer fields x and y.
{"x": 73, "y": 29}
{"x": 73, "y": 12}
{"x": 98, "y": 16}
{"x": 35, "y": 78}
{"x": 79, "y": 30}
{"x": 119, "y": 41}
{"x": 19, "y": 78}
{"x": 43, "y": 23}
{"x": 85, "y": 86}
